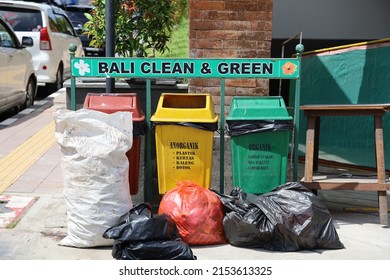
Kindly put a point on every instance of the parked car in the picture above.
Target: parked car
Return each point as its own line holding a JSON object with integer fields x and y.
{"x": 18, "y": 82}
{"x": 76, "y": 13}
{"x": 52, "y": 33}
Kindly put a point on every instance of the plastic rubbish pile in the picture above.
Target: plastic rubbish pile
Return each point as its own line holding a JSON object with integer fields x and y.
{"x": 100, "y": 211}
{"x": 289, "y": 218}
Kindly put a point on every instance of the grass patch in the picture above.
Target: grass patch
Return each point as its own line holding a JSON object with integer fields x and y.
{"x": 12, "y": 225}
{"x": 178, "y": 44}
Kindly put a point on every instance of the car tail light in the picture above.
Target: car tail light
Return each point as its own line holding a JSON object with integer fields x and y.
{"x": 45, "y": 40}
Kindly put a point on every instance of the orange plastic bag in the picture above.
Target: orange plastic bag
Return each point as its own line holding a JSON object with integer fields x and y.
{"x": 197, "y": 212}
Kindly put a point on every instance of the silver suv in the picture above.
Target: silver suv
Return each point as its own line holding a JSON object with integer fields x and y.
{"x": 17, "y": 76}
{"x": 52, "y": 33}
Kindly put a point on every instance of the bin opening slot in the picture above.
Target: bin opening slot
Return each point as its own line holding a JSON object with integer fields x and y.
{"x": 112, "y": 101}
{"x": 184, "y": 101}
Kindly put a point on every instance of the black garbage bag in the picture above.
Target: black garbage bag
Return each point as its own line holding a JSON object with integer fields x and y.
{"x": 140, "y": 225}
{"x": 289, "y": 218}
{"x": 152, "y": 250}
{"x": 241, "y": 127}
{"x": 143, "y": 236}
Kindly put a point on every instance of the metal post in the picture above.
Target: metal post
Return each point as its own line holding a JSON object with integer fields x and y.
{"x": 299, "y": 49}
{"x": 72, "y": 49}
{"x": 293, "y": 153}
{"x": 110, "y": 40}
{"x": 282, "y": 55}
{"x": 222, "y": 139}
{"x": 148, "y": 144}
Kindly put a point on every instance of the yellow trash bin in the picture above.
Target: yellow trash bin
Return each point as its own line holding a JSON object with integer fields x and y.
{"x": 184, "y": 129}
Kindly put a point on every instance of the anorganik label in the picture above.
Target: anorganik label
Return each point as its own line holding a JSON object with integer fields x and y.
{"x": 184, "y": 154}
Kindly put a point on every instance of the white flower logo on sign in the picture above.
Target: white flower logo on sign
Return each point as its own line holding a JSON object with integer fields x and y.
{"x": 82, "y": 67}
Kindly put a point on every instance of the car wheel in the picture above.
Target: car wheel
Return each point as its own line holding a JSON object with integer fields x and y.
{"x": 30, "y": 93}
{"x": 59, "y": 83}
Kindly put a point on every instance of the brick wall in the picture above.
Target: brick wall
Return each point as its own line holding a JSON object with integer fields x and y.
{"x": 233, "y": 29}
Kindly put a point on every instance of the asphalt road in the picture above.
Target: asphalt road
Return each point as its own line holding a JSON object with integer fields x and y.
{"x": 10, "y": 116}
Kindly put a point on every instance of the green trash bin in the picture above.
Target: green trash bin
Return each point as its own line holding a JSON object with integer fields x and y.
{"x": 259, "y": 128}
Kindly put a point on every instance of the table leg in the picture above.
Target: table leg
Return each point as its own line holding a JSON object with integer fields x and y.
{"x": 381, "y": 171}
{"x": 316, "y": 144}
{"x": 310, "y": 132}
{"x": 383, "y": 212}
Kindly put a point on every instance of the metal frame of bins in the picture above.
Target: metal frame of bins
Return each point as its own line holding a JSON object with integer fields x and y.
{"x": 154, "y": 68}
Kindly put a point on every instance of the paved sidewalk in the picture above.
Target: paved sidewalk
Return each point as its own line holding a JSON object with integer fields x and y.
{"x": 44, "y": 223}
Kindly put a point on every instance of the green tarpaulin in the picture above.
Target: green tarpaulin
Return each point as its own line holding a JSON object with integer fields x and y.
{"x": 353, "y": 74}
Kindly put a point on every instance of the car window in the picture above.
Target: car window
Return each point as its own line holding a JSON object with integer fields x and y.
{"x": 6, "y": 40}
{"x": 77, "y": 17}
{"x": 59, "y": 23}
{"x": 22, "y": 19}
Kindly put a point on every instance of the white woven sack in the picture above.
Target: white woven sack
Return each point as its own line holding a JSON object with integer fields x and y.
{"x": 95, "y": 172}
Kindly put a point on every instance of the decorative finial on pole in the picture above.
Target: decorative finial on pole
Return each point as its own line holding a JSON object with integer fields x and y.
{"x": 299, "y": 48}
{"x": 72, "y": 49}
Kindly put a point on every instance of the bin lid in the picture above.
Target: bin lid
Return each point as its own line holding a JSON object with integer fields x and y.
{"x": 115, "y": 102}
{"x": 185, "y": 107}
{"x": 258, "y": 108}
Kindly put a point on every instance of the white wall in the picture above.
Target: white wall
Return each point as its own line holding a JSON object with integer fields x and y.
{"x": 332, "y": 19}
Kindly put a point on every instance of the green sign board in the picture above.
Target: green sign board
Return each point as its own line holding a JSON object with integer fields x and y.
{"x": 185, "y": 68}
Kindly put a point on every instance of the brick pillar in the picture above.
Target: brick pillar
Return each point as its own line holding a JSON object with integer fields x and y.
{"x": 230, "y": 29}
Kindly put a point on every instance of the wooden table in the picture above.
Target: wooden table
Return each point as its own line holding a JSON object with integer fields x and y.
{"x": 379, "y": 184}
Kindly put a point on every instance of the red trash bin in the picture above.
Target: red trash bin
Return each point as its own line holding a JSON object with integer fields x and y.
{"x": 123, "y": 102}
